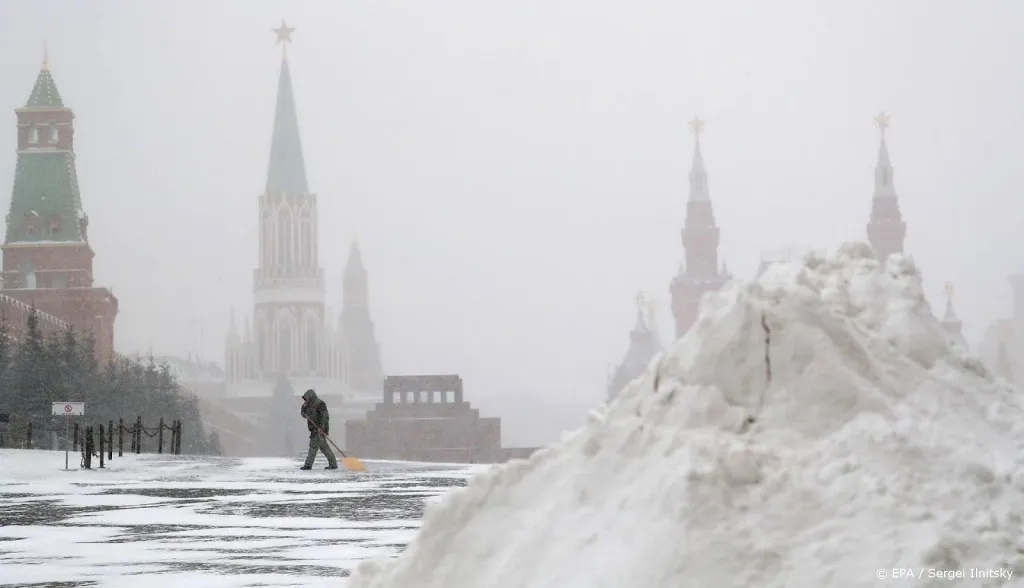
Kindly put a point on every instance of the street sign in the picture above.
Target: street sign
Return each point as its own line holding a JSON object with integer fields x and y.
{"x": 68, "y": 408}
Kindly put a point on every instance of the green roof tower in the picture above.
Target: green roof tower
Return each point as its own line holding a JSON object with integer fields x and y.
{"x": 47, "y": 260}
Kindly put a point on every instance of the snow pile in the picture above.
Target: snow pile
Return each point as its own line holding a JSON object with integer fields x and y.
{"x": 876, "y": 445}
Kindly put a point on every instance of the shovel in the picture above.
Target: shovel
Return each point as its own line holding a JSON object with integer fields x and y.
{"x": 350, "y": 463}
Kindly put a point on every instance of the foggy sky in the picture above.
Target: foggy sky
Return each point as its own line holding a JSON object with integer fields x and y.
{"x": 516, "y": 170}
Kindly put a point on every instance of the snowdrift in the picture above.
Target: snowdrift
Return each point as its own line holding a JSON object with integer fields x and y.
{"x": 875, "y": 445}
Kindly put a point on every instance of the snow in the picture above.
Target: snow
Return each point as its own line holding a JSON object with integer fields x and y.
{"x": 875, "y": 446}
{"x": 47, "y": 242}
{"x": 203, "y": 521}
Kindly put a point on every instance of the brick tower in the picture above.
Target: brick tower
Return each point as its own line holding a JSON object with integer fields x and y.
{"x": 47, "y": 260}
{"x": 886, "y": 230}
{"x": 700, "y": 235}
{"x": 365, "y": 372}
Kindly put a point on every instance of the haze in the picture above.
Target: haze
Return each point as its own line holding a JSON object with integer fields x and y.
{"x": 516, "y": 171}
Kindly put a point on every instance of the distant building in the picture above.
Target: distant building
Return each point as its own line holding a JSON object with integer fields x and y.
{"x": 996, "y": 348}
{"x": 1002, "y": 347}
{"x": 426, "y": 418}
{"x": 290, "y": 343}
{"x": 951, "y": 323}
{"x": 886, "y": 228}
{"x": 290, "y": 333}
{"x": 643, "y": 347}
{"x": 700, "y": 273}
{"x": 47, "y": 259}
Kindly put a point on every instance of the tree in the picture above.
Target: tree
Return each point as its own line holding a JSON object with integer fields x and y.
{"x": 6, "y": 394}
{"x": 29, "y": 373}
{"x": 39, "y": 370}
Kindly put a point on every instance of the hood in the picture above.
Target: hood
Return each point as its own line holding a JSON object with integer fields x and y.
{"x": 309, "y": 395}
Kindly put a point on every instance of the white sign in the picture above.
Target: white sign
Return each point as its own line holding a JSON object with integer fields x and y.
{"x": 68, "y": 408}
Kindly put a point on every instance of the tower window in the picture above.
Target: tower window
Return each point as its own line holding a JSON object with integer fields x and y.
{"x": 53, "y": 134}
{"x": 33, "y": 135}
{"x": 28, "y": 275}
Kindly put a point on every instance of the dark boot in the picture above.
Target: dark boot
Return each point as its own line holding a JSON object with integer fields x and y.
{"x": 331, "y": 467}
{"x": 306, "y": 467}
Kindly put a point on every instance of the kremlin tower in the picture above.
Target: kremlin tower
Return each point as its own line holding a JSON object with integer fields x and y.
{"x": 701, "y": 272}
{"x": 290, "y": 335}
{"x": 886, "y": 229}
{"x": 47, "y": 259}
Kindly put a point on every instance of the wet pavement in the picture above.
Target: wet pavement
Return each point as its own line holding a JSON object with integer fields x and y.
{"x": 202, "y": 521}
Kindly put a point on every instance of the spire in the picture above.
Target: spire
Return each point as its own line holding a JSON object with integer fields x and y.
{"x": 643, "y": 347}
{"x": 886, "y": 229}
{"x": 354, "y": 282}
{"x": 44, "y": 92}
{"x": 950, "y": 322}
{"x": 354, "y": 266}
{"x": 701, "y": 272}
{"x": 287, "y": 170}
{"x": 698, "y": 174}
{"x": 355, "y": 324}
{"x": 46, "y": 204}
{"x": 884, "y": 186}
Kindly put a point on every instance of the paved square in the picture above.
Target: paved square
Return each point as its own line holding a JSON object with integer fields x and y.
{"x": 203, "y": 522}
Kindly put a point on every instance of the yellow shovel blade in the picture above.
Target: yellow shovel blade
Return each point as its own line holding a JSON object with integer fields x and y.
{"x": 352, "y": 463}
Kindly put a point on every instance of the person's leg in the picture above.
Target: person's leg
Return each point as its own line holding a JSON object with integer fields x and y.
{"x": 314, "y": 445}
{"x": 325, "y": 447}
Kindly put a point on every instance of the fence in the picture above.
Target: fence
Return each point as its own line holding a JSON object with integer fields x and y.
{"x": 91, "y": 438}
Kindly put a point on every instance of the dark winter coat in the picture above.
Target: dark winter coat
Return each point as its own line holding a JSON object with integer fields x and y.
{"x": 315, "y": 412}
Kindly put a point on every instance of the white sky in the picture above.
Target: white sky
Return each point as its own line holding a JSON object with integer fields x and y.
{"x": 516, "y": 170}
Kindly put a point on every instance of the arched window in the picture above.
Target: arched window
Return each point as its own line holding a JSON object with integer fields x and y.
{"x": 284, "y": 238}
{"x": 312, "y": 345}
{"x": 54, "y": 135}
{"x": 284, "y": 345}
{"x": 33, "y": 135}
{"x": 266, "y": 230}
{"x": 306, "y": 241}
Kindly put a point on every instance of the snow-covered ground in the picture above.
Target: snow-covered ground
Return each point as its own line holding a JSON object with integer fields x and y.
{"x": 184, "y": 521}
{"x": 814, "y": 429}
